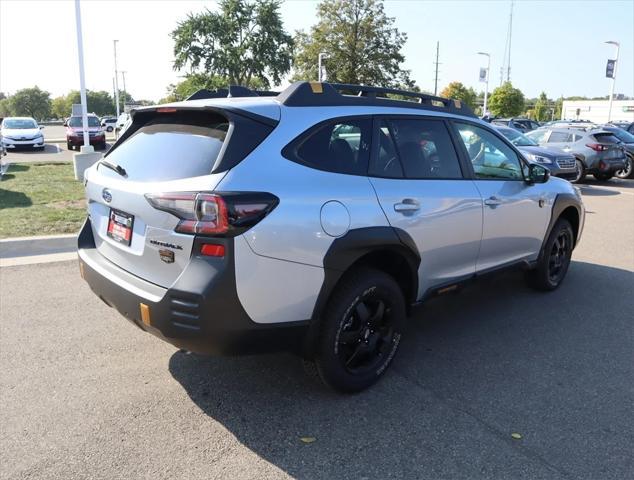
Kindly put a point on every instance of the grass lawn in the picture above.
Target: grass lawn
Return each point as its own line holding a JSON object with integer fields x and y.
{"x": 40, "y": 199}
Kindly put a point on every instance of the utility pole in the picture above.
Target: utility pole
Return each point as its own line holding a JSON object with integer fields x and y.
{"x": 436, "y": 63}
{"x": 124, "y": 90}
{"x": 506, "y": 59}
{"x": 616, "y": 62}
{"x": 116, "y": 79}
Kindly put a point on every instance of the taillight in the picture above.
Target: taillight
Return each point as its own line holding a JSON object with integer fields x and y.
{"x": 597, "y": 147}
{"x": 219, "y": 214}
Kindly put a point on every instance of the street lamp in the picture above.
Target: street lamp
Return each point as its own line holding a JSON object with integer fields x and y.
{"x": 116, "y": 78}
{"x": 616, "y": 62}
{"x": 322, "y": 56}
{"x": 486, "y": 90}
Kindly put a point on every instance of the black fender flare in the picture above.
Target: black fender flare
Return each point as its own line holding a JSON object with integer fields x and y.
{"x": 347, "y": 250}
{"x": 561, "y": 203}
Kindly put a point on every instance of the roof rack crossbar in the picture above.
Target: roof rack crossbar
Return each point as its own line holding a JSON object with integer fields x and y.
{"x": 232, "y": 91}
{"x": 339, "y": 94}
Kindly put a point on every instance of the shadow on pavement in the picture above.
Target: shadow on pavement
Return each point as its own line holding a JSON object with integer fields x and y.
{"x": 589, "y": 191}
{"x": 493, "y": 359}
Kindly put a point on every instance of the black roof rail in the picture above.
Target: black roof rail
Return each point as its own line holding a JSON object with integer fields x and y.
{"x": 322, "y": 94}
{"x": 230, "y": 92}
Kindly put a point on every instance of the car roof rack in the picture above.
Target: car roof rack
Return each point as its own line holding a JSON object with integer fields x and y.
{"x": 231, "y": 91}
{"x": 322, "y": 94}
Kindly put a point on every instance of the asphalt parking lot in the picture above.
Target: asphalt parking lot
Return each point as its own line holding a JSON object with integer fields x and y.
{"x": 84, "y": 394}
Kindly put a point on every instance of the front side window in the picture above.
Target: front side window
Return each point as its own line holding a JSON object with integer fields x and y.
{"x": 490, "y": 156}
{"x": 341, "y": 146}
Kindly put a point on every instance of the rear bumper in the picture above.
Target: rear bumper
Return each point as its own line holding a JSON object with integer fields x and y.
{"x": 608, "y": 166}
{"x": 201, "y": 312}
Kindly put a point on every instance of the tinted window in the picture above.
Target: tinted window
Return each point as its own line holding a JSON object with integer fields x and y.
{"x": 558, "y": 137}
{"x": 424, "y": 149}
{"x": 340, "y": 146}
{"x": 490, "y": 156}
{"x": 169, "y": 151}
{"x": 606, "y": 138}
{"x": 386, "y": 163}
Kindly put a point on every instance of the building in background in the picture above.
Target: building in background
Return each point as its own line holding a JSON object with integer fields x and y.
{"x": 597, "y": 110}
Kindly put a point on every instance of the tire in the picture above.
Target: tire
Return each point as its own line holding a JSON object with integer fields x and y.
{"x": 628, "y": 171}
{"x": 553, "y": 264}
{"x": 580, "y": 171}
{"x": 361, "y": 330}
{"x": 603, "y": 177}
{"x": 69, "y": 146}
{"x": 109, "y": 129}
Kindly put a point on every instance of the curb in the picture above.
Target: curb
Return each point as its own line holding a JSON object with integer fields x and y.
{"x": 22, "y": 247}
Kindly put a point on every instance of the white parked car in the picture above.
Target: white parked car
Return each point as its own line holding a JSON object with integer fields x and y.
{"x": 21, "y": 132}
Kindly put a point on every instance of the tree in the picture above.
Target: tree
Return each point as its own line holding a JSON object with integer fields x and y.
{"x": 458, "y": 91}
{"x": 244, "y": 42}
{"x": 5, "y": 106}
{"x": 31, "y": 102}
{"x": 361, "y": 42}
{"x": 542, "y": 110}
{"x": 506, "y": 101}
{"x": 191, "y": 84}
{"x": 98, "y": 102}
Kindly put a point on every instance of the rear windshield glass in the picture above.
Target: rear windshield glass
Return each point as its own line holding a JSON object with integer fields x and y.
{"x": 169, "y": 151}
{"x": 606, "y": 138}
{"x": 77, "y": 122}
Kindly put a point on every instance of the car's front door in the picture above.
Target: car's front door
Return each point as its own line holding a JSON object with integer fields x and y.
{"x": 516, "y": 214}
{"x": 418, "y": 179}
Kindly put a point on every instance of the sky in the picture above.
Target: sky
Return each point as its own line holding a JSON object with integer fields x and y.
{"x": 557, "y": 47}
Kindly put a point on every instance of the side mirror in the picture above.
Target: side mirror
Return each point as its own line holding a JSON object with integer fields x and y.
{"x": 537, "y": 174}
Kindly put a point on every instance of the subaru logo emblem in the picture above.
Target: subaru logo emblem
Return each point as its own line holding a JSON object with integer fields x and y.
{"x": 106, "y": 195}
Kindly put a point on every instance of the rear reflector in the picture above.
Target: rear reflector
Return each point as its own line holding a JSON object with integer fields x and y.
{"x": 145, "y": 313}
{"x": 211, "y": 250}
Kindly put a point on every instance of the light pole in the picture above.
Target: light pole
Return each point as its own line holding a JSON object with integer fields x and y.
{"x": 124, "y": 90}
{"x": 116, "y": 79}
{"x": 486, "y": 89}
{"x": 82, "y": 80}
{"x": 616, "y": 62}
{"x": 321, "y": 58}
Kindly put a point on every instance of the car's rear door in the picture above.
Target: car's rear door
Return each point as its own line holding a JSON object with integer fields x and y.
{"x": 516, "y": 214}
{"x": 419, "y": 182}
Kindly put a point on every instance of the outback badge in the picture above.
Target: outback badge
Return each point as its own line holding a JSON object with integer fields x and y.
{"x": 166, "y": 255}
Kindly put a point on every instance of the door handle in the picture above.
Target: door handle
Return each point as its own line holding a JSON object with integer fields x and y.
{"x": 407, "y": 205}
{"x": 493, "y": 201}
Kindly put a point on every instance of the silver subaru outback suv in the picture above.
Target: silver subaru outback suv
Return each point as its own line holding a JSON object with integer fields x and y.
{"x": 313, "y": 220}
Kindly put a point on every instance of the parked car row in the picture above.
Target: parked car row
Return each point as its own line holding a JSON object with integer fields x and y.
{"x": 597, "y": 150}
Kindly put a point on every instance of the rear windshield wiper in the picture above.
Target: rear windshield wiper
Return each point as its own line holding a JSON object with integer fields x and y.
{"x": 113, "y": 166}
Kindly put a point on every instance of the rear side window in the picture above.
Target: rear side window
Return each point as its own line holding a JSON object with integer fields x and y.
{"x": 171, "y": 149}
{"x": 341, "y": 146}
{"x": 558, "y": 137}
{"x": 422, "y": 150}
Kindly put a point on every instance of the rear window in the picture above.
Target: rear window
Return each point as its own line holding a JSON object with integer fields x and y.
{"x": 78, "y": 122}
{"x": 169, "y": 150}
{"x": 605, "y": 138}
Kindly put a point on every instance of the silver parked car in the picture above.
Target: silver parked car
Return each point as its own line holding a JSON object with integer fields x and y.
{"x": 560, "y": 163}
{"x": 597, "y": 152}
{"x": 313, "y": 220}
